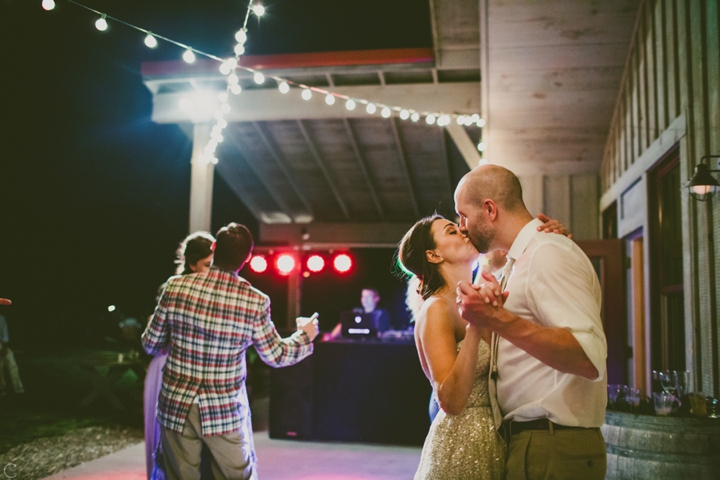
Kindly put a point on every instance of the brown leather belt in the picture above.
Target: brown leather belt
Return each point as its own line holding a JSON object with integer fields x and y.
{"x": 539, "y": 424}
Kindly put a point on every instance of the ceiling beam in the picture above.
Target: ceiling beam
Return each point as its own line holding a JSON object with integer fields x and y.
{"x": 268, "y": 104}
{"x": 337, "y": 235}
{"x": 323, "y": 167}
{"x": 405, "y": 167}
{"x": 276, "y": 196}
{"x": 363, "y": 167}
{"x": 280, "y": 162}
{"x": 464, "y": 144}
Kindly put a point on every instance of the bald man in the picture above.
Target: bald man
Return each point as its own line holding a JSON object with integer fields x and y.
{"x": 549, "y": 348}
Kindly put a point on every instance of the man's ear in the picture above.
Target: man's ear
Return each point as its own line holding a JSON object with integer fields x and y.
{"x": 491, "y": 208}
{"x": 433, "y": 257}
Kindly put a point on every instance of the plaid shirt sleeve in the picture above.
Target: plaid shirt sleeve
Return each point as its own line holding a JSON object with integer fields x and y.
{"x": 274, "y": 350}
{"x": 155, "y": 337}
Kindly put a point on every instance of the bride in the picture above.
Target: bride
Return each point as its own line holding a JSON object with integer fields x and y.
{"x": 462, "y": 442}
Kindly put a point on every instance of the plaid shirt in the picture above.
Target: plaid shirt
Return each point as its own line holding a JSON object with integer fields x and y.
{"x": 209, "y": 320}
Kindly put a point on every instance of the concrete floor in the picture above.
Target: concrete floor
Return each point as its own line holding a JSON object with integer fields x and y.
{"x": 279, "y": 460}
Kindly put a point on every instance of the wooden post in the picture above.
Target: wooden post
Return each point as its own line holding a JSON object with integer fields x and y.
{"x": 294, "y": 297}
{"x": 201, "y": 181}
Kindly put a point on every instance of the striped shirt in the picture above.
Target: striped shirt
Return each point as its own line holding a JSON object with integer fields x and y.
{"x": 209, "y": 320}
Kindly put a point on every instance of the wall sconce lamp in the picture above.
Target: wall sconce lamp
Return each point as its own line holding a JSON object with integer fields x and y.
{"x": 702, "y": 185}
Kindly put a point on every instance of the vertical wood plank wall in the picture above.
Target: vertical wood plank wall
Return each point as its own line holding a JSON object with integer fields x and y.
{"x": 572, "y": 199}
{"x": 673, "y": 69}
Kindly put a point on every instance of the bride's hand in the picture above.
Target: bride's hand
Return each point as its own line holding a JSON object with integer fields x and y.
{"x": 552, "y": 225}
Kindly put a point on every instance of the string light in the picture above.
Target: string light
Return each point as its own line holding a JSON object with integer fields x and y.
{"x": 258, "y": 10}
{"x": 150, "y": 41}
{"x": 481, "y": 146}
{"x": 101, "y": 23}
{"x": 241, "y": 36}
{"x": 228, "y": 66}
{"x": 188, "y": 56}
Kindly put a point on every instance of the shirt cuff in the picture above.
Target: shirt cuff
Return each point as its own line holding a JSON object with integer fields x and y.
{"x": 595, "y": 350}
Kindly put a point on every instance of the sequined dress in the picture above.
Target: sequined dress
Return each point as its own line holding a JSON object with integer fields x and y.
{"x": 465, "y": 446}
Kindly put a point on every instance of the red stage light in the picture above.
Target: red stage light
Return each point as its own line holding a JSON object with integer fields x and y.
{"x": 315, "y": 263}
{"x": 342, "y": 263}
{"x": 258, "y": 264}
{"x": 285, "y": 263}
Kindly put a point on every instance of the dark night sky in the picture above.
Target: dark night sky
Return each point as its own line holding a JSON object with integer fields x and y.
{"x": 94, "y": 196}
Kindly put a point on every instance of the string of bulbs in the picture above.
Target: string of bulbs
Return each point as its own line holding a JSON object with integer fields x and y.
{"x": 229, "y": 66}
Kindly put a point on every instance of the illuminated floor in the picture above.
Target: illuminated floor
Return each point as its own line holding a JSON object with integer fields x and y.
{"x": 279, "y": 460}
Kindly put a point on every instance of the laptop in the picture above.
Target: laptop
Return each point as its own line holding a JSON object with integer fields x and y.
{"x": 357, "y": 324}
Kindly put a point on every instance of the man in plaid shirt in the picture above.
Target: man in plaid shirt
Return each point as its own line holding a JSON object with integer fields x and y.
{"x": 209, "y": 320}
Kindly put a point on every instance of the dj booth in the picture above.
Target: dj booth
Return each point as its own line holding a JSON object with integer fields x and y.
{"x": 351, "y": 390}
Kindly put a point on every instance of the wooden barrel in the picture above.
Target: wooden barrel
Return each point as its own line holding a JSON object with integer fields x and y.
{"x": 645, "y": 446}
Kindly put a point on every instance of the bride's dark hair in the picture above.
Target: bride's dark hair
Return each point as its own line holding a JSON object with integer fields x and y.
{"x": 412, "y": 259}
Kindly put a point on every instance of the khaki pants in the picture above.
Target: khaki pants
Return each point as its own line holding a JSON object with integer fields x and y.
{"x": 231, "y": 452}
{"x": 561, "y": 454}
{"x": 9, "y": 369}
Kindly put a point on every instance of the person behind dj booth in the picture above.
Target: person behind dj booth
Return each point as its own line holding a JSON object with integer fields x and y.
{"x": 369, "y": 298}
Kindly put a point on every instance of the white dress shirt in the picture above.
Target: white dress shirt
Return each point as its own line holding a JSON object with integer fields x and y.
{"x": 552, "y": 284}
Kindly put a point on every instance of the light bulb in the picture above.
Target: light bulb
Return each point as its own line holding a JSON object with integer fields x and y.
{"x": 460, "y": 119}
{"x": 481, "y": 122}
{"x": 211, "y": 146}
{"x": 371, "y": 108}
{"x": 235, "y": 89}
{"x": 218, "y": 113}
{"x": 48, "y": 4}
{"x": 224, "y": 68}
{"x": 222, "y": 123}
{"x": 233, "y": 79}
{"x": 259, "y": 78}
{"x": 241, "y": 36}
{"x": 444, "y": 120}
{"x": 404, "y": 114}
{"x": 415, "y": 117}
{"x": 101, "y": 23}
{"x": 258, "y": 10}
{"x": 329, "y": 99}
{"x": 222, "y": 96}
{"x": 239, "y": 49}
{"x": 306, "y": 94}
{"x": 702, "y": 189}
{"x": 430, "y": 119}
{"x": 350, "y": 104}
{"x": 214, "y": 160}
{"x": 474, "y": 118}
{"x": 481, "y": 146}
{"x": 284, "y": 87}
{"x": 189, "y": 56}
{"x": 386, "y": 112}
{"x": 150, "y": 41}
{"x": 225, "y": 108}
{"x": 232, "y": 63}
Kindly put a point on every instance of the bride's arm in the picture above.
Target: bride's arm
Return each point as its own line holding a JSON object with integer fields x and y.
{"x": 452, "y": 372}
